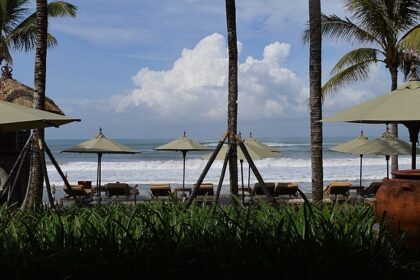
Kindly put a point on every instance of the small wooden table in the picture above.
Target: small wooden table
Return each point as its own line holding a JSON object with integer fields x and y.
{"x": 182, "y": 190}
{"x": 359, "y": 189}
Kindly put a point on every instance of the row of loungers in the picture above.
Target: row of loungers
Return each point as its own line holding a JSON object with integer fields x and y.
{"x": 207, "y": 189}
{"x": 84, "y": 189}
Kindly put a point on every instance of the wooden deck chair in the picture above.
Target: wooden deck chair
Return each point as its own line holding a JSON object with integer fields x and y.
{"x": 286, "y": 188}
{"x": 338, "y": 187}
{"x": 78, "y": 190}
{"x": 372, "y": 189}
{"x": 259, "y": 191}
{"x": 122, "y": 189}
{"x": 205, "y": 194}
{"x": 161, "y": 191}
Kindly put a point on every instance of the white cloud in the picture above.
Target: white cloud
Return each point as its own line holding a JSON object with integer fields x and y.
{"x": 196, "y": 87}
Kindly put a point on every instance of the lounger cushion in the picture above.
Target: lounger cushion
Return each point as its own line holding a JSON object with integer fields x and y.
{"x": 259, "y": 191}
{"x": 161, "y": 190}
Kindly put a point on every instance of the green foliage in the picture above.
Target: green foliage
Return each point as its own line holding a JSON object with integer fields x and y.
{"x": 384, "y": 30}
{"x": 165, "y": 240}
{"x": 18, "y": 26}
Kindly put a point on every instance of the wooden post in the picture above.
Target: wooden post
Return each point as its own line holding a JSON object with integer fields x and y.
{"x": 22, "y": 161}
{"x": 222, "y": 177}
{"x": 254, "y": 168}
{"x": 15, "y": 165}
{"x": 54, "y": 162}
{"x": 45, "y": 172}
{"x": 206, "y": 169}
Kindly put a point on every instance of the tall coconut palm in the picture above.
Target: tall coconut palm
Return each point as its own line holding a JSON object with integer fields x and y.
{"x": 233, "y": 94}
{"x": 315, "y": 96}
{"x": 18, "y": 25}
{"x": 36, "y": 176}
{"x": 35, "y": 187}
{"x": 388, "y": 31}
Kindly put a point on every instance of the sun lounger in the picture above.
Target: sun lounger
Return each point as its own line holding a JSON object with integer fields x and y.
{"x": 86, "y": 184}
{"x": 372, "y": 189}
{"x": 205, "y": 194}
{"x": 161, "y": 191}
{"x": 259, "y": 191}
{"x": 338, "y": 188}
{"x": 122, "y": 189}
{"x": 286, "y": 188}
{"x": 77, "y": 190}
{"x": 205, "y": 189}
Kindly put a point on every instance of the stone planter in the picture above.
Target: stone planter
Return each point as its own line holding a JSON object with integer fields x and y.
{"x": 399, "y": 199}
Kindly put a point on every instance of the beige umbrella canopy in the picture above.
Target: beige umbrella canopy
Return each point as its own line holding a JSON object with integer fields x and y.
{"x": 349, "y": 147}
{"x": 100, "y": 145}
{"x": 398, "y": 106}
{"x": 387, "y": 145}
{"x": 255, "y": 150}
{"x": 254, "y": 142}
{"x": 184, "y": 145}
{"x": 15, "y": 117}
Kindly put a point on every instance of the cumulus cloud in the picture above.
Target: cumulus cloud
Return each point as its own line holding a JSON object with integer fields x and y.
{"x": 196, "y": 86}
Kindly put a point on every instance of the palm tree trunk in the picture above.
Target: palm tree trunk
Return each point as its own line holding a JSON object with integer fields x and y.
{"x": 36, "y": 182}
{"x": 315, "y": 43}
{"x": 394, "y": 126}
{"x": 232, "y": 94}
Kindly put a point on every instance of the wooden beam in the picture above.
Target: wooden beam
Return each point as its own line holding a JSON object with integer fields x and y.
{"x": 222, "y": 177}
{"x": 254, "y": 168}
{"x": 206, "y": 169}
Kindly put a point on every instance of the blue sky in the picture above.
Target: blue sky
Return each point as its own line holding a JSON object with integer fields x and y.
{"x": 152, "y": 69}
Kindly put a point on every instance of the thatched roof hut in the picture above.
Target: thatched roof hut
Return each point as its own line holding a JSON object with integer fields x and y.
{"x": 18, "y": 93}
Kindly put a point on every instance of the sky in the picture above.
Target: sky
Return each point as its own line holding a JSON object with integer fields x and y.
{"x": 153, "y": 69}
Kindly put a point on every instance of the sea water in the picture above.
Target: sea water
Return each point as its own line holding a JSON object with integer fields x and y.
{"x": 150, "y": 166}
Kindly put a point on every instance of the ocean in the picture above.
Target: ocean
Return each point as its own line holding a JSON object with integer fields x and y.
{"x": 149, "y": 166}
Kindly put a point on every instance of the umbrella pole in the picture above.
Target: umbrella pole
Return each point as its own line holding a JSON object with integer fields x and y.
{"x": 206, "y": 169}
{"x": 242, "y": 179}
{"x": 254, "y": 169}
{"x": 361, "y": 161}
{"x": 222, "y": 176}
{"x": 184, "y": 154}
{"x": 98, "y": 175}
{"x": 387, "y": 166}
{"x": 249, "y": 176}
{"x": 414, "y": 138}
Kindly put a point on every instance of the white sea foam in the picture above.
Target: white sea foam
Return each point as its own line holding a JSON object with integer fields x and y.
{"x": 279, "y": 169}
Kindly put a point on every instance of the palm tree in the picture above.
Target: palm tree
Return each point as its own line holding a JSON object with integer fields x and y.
{"x": 233, "y": 94}
{"x": 388, "y": 32}
{"x": 18, "y": 25}
{"x": 315, "y": 96}
{"x": 35, "y": 187}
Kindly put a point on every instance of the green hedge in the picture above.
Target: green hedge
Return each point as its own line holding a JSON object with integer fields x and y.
{"x": 165, "y": 240}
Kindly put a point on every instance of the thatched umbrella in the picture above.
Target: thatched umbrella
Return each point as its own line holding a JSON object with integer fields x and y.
{"x": 100, "y": 145}
{"x": 398, "y": 106}
{"x": 15, "y": 92}
{"x": 184, "y": 145}
{"x": 349, "y": 147}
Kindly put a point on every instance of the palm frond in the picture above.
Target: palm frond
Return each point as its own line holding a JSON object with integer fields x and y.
{"x": 4, "y": 53}
{"x": 61, "y": 9}
{"x": 410, "y": 42}
{"x": 356, "y": 56}
{"x": 406, "y": 60}
{"x": 335, "y": 27}
{"x": 23, "y": 38}
{"x": 356, "y": 72}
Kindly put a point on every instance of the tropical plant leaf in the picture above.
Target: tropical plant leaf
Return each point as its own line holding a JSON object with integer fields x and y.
{"x": 355, "y": 57}
{"x": 410, "y": 42}
{"x": 356, "y": 72}
{"x": 335, "y": 27}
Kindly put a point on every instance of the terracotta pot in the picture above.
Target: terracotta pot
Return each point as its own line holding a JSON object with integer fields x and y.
{"x": 399, "y": 198}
